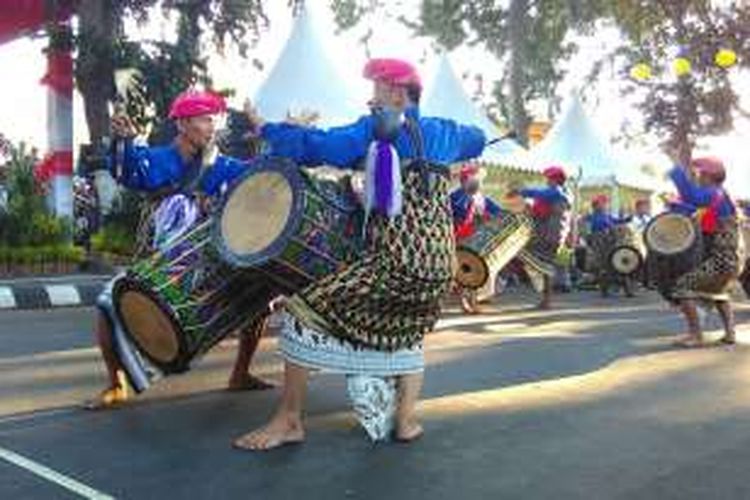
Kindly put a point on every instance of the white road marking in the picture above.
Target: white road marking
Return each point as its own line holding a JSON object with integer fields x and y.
{"x": 7, "y": 299}
{"x": 63, "y": 295}
{"x": 52, "y": 476}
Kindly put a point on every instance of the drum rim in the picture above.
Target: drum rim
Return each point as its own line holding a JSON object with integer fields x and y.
{"x": 132, "y": 283}
{"x": 112, "y": 324}
{"x": 291, "y": 171}
{"x": 650, "y": 224}
{"x": 630, "y": 248}
{"x": 485, "y": 267}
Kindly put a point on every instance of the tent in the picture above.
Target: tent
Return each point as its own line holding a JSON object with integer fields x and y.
{"x": 304, "y": 78}
{"x": 445, "y": 97}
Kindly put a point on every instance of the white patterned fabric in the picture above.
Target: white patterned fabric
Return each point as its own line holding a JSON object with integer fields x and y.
{"x": 307, "y": 347}
{"x": 374, "y": 402}
{"x": 174, "y": 216}
{"x": 370, "y": 374}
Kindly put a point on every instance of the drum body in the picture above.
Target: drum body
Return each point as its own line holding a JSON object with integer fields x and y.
{"x": 493, "y": 245}
{"x": 674, "y": 245}
{"x": 625, "y": 258}
{"x": 290, "y": 226}
{"x": 179, "y": 302}
{"x": 744, "y": 277}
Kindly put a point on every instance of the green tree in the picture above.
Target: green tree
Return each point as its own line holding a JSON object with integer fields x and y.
{"x": 168, "y": 68}
{"x": 528, "y": 38}
{"x": 702, "y": 102}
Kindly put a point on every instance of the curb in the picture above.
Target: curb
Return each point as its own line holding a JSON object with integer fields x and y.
{"x": 46, "y": 293}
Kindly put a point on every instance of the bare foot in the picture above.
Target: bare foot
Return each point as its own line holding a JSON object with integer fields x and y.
{"x": 249, "y": 383}
{"x": 728, "y": 339}
{"x": 407, "y": 433}
{"x": 280, "y": 431}
{"x": 108, "y": 399}
{"x": 689, "y": 342}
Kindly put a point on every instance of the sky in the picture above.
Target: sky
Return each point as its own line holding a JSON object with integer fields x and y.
{"x": 25, "y": 100}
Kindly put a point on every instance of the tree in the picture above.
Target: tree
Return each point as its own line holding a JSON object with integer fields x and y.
{"x": 528, "y": 38}
{"x": 702, "y": 101}
{"x": 103, "y": 47}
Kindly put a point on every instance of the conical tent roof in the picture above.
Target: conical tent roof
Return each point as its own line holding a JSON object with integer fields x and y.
{"x": 446, "y": 98}
{"x": 574, "y": 144}
{"x": 304, "y": 78}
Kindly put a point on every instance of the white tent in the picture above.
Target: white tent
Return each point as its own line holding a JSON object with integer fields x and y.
{"x": 304, "y": 78}
{"x": 574, "y": 144}
{"x": 445, "y": 97}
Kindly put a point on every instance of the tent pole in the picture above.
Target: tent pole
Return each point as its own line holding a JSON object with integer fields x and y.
{"x": 574, "y": 228}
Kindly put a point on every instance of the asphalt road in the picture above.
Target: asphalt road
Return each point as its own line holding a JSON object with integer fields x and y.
{"x": 589, "y": 401}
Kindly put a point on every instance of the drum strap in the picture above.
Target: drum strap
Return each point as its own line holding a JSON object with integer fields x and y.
{"x": 420, "y": 162}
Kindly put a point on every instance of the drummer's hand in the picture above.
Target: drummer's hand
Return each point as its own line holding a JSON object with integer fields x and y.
{"x": 252, "y": 115}
{"x": 303, "y": 117}
{"x": 277, "y": 304}
{"x": 123, "y": 127}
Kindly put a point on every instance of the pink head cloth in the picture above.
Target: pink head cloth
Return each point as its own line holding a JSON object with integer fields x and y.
{"x": 600, "y": 200}
{"x": 392, "y": 71}
{"x": 468, "y": 171}
{"x": 710, "y": 166}
{"x": 196, "y": 103}
{"x": 555, "y": 174}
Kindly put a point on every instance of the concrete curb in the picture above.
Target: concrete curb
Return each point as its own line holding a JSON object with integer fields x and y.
{"x": 49, "y": 292}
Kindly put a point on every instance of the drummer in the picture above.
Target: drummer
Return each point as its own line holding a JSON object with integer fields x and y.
{"x": 711, "y": 280}
{"x": 369, "y": 319}
{"x": 601, "y": 219}
{"x": 599, "y": 224}
{"x": 177, "y": 168}
{"x": 642, "y": 215}
{"x": 471, "y": 208}
{"x": 548, "y": 213}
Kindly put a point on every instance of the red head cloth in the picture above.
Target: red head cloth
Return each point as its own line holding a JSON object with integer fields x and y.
{"x": 599, "y": 200}
{"x": 393, "y": 71}
{"x": 195, "y": 103}
{"x": 468, "y": 171}
{"x": 555, "y": 174}
{"x": 710, "y": 166}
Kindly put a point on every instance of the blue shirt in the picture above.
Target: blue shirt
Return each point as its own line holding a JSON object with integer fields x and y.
{"x": 152, "y": 169}
{"x": 445, "y": 142}
{"x": 695, "y": 196}
{"x": 600, "y": 221}
{"x": 549, "y": 194}
{"x": 461, "y": 201}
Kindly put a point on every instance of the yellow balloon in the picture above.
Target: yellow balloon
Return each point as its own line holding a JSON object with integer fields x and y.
{"x": 681, "y": 66}
{"x": 641, "y": 72}
{"x": 725, "y": 58}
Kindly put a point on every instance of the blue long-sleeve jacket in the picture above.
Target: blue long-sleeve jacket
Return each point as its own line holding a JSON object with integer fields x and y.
{"x": 549, "y": 194}
{"x": 544, "y": 199}
{"x": 445, "y": 142}
{"x": 461, "y": 200}
{"x": 599, "y": 221}
{"x": 152, "y": 169}
{"x": 694, "y": 196}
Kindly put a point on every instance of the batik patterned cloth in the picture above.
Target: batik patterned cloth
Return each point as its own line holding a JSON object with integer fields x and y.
{"x": 712, "y": 278}
{"x": 541, "y": 252}
{"x": 391, "y": 297}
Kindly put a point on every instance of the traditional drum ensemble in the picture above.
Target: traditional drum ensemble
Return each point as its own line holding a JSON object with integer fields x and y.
{"x": 359, "y": 275}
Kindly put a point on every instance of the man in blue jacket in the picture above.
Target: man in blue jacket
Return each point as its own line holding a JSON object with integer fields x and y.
{"x": 176, "y": 170}
{"x": 368, "y": 321}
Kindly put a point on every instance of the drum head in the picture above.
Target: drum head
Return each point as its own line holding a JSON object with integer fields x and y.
{"x": 472, "y": 270}
{"x": 625, "y": 259}
{"x": 257, "y": 213}
{"x": 670, "y": 234}
{"x": 148, "y": 325}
